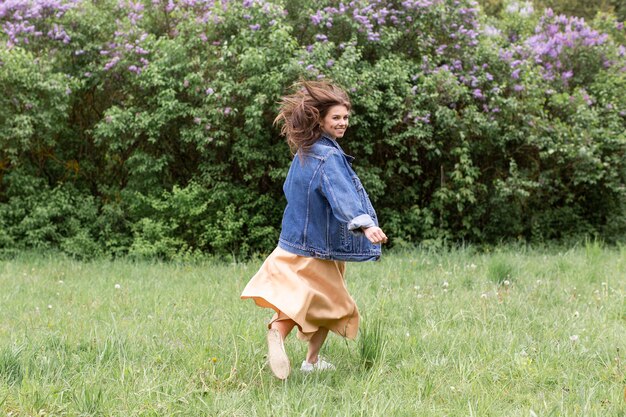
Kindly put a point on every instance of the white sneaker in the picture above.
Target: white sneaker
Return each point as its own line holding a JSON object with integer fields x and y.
{"x": 277, "y": 357}
{"x": 320, "y": 365}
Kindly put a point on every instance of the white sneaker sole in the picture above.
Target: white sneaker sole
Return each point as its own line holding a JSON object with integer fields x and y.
{"x": 277, "y": 357}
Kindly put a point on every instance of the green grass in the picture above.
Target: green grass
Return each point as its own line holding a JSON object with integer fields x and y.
{"x": 515, "y": 332}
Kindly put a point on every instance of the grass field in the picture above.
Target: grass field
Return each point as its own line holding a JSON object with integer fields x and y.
{"x": 512, "y": 332}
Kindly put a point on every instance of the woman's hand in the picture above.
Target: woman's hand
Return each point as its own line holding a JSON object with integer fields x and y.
{"x": 375, "y": 235}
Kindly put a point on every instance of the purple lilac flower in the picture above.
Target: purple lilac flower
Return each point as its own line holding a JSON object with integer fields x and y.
{"x": 227, "y": 111}
{"x": 321, "y": 37}
{"x": 423, "y": 119}
{"x": 478, "y": 94}
{"x": 491, "y": 31}
{"x": 330, "y": 63}
{"x": 317, "y": 18}
{"x": 518, "y": 87}
{"x": 111, "y": 63}
{"x": 255, "y": 27}
{"x": 209, "y": 91}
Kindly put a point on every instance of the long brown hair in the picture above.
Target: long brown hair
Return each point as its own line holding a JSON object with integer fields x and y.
{"x": 300, "y": 113}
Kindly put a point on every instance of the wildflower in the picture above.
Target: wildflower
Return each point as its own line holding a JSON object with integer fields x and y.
{"x": 61, "y": 282}
{"x": 576, "y": 314}
{"x": 49, "y": 306}
{"x": 506, "y": 283}
{"x": 209, "y": 91}
{"x": 483, "y": 295}
{"x": 573, "y": 338}
{"x": 214, "y": 359}
{"x": 255, "y": 27}
{"x": 445, "y": 284}
{"x": 118, "y": 286}
{"x": 227, "y": 111}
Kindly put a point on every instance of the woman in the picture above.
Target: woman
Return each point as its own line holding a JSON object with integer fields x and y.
{"x": 328, "y": 220}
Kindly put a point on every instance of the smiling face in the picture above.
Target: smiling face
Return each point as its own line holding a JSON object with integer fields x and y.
{"x": 335, "y": 122}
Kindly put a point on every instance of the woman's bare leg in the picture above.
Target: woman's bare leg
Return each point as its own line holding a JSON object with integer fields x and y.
{"x": 284, "y": 327}
{"x": 315, "y": 344}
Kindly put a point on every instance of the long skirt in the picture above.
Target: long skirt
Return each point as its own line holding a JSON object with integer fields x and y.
{"x": 312, "y": 292}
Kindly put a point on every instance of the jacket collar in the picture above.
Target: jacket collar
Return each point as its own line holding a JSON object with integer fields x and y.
{"x": 328, "y": 141}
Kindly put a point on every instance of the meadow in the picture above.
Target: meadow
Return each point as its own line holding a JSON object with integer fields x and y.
{"x": 513, "y": 331}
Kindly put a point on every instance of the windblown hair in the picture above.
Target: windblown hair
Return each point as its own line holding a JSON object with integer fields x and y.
{"x": 301, "y": 113}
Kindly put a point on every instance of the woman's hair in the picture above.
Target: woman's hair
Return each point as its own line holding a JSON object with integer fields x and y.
{"x": 300, "y": 113}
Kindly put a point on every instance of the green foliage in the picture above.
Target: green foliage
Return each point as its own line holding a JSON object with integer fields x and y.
{"x": 37, "y": 216}
{"x": 151, "y": 132}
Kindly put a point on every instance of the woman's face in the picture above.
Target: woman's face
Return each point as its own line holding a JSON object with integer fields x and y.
{"x": 335, "y": 122}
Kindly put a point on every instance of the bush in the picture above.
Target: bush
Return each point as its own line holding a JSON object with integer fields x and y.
{"x": 146, "y": 127}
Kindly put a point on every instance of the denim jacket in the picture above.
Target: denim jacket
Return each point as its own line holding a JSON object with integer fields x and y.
{"x": 326, "y": 207}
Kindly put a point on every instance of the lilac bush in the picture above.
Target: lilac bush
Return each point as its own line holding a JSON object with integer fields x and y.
{"x": 160, "y": 112}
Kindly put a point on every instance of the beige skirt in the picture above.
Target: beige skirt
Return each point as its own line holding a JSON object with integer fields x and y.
{"x": 312, "y": 292}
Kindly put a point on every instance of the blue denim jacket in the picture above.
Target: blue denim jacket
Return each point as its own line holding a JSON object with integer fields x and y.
{"x": 326, "y": 207}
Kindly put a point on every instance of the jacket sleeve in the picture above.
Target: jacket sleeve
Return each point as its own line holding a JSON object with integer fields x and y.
{"x": 341, "y": 193}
